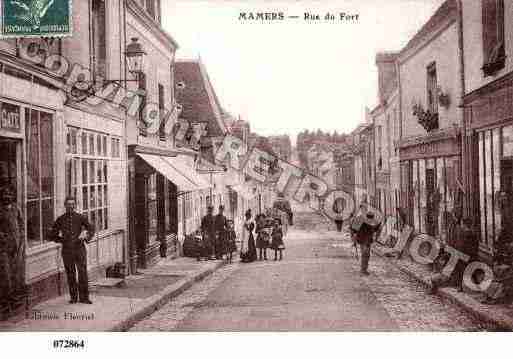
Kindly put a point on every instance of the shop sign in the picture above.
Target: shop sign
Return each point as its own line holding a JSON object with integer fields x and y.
{"x": 10, "y": 117}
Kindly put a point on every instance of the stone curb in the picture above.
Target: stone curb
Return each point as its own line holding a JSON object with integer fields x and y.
{"x": 493, "y": 315}
{"x": 158, "y": 300}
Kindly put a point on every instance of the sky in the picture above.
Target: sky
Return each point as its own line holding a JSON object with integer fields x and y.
{"x": 286, "y": 76}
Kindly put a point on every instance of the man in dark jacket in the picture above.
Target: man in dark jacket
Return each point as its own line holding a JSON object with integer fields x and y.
{"x": 221, "y": 225}
{"x": 363, "y": 233}
{"x": 208, "y": 232}
{"x": 12, "y": 249}
{"x": 72, "y": 230}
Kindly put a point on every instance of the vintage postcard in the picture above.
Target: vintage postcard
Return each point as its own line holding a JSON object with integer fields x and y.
{"x": 255, "y": 166}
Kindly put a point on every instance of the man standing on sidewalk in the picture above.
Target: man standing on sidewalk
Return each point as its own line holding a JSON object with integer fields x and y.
{"x": 208, "y": 232}
{"x": 364, "y": 236}
{"x": 72, "y": 230}
{"x": 221, "y": 225}
{"x": 12, "y": 250}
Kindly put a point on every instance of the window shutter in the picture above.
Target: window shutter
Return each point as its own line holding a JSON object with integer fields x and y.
{"x": 493, "y": 35}
{"x": 162, "y": 125}
{"x": 116, "y": 194}
{"x": 489, "y": 27}
{"x": 143, "y": 131}
{"x": 99, "y": 38}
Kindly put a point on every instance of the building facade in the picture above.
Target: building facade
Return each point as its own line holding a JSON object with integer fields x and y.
{"x": 385, "y": 120}
{"x": 59, "y": 145}
{"x": 488, "y": 77}
{"x": 429, "y": 70}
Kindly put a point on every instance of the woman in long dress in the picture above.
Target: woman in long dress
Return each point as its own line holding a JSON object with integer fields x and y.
{"x": 248, "y": 251}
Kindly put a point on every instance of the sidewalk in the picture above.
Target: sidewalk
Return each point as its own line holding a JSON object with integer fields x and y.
{"x": 499, "y": 315}
{"x": 117, "y": 308}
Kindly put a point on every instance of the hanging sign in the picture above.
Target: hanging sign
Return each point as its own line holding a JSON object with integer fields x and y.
{"x": 10, "y": 117}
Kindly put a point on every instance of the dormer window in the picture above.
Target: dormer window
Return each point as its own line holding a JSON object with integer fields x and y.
{"x": 180, "y": 85}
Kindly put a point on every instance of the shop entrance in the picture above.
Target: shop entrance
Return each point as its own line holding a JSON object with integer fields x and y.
{"x": 431, "y": 205}
{"x": 9, "y": 165}
{"x": 507, "y": 188}
{"x": 141, "y": 217}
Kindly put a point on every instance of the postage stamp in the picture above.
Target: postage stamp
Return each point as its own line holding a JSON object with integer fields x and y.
{"x": 35, "y": 18}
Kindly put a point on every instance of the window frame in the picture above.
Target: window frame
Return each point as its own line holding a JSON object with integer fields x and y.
{"x": 80, "y": 180}
{"x": 41, "y": 198}
{"x": 432, "y": 87}
{"x": 493, "y": 36}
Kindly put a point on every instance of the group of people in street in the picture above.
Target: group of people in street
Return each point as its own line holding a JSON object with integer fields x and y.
{"x": 217, "y": 237}
{"x": 269, "y": 234}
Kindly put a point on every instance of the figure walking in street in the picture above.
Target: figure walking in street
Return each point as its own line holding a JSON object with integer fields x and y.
{"x": 277, "y": 239}
{"x": 363, "y": 232}
{"x": 338, "y": 208}
{"x": 262, "y": 241}
{"x": 231, "y": 245}
{"x": 12, "y": 251}
{"x": 283, "y": 204}
{"x": 248, "y": 251}
{"x": 208, "y": 233}
{"x": 221, "y": 225}
{"x": 72, "y": 230}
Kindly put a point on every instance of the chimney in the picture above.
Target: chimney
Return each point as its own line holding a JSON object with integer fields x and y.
{"x": 387, "y": 76}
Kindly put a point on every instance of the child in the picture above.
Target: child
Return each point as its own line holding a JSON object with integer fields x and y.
{"x": 262, "y": 241}
{"x": 277, "y": 239}
{"x": 231, "y": 246}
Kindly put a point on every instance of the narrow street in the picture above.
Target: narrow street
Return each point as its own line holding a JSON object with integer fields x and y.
{"x": 316, "y": 287}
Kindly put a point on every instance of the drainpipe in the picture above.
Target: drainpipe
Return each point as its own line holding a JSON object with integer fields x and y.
{"x": 466, "y": 148}
{"x": 401, "y": 199}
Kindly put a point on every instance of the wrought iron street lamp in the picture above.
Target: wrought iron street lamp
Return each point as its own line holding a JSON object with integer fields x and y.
{"x": 134, "y": 54}
{"x": 135, "y": 57}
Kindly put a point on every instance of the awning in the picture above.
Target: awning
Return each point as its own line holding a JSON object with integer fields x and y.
{"x": 176, "y": 175}
{"x": 180, "y": 164}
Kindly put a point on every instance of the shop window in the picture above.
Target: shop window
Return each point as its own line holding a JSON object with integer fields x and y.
{"x": 171, "y": 208}
{"x": 152, "y": 208}
{"x": 115, "y": 147}
{"x": 87, "y": 176}
{"x": 72, "y": 140}
{"x": 91, "y": 144}
{"x": 161, "y": 204}
{"x": 493, "y": 36}
{"x": 40, "y": 176}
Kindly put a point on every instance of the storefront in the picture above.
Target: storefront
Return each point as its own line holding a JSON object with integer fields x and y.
{"x": 52, "y": 151}
{"x": 489, "y": 159}
{"x": 29, "y": 125}
{"x": 431, "y": 183}
{"x": 163, "y": 192}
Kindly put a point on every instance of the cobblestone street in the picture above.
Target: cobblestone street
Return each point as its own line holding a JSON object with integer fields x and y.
{"x": 316, "y": 287}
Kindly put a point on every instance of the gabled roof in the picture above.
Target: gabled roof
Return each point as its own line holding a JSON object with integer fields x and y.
{"x": 447, "y": 10}
{"x": 194, "y": 91}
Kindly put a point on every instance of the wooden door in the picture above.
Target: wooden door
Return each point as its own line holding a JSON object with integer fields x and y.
{"x": 141, "y": 217}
